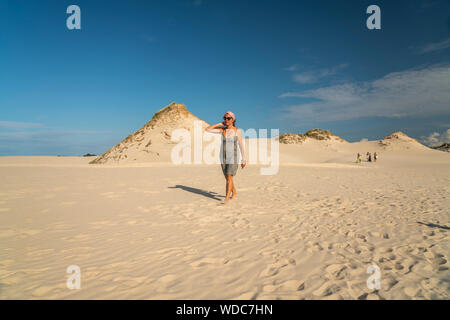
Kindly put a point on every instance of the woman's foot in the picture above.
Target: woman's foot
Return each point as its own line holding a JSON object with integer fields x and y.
{"x": 225, "y": 201}
{"x": 233, "y": 196}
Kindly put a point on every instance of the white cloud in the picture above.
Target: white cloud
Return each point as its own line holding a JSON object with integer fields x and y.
{"x": 315, "y": 75}
{"x": 436, "y": 46}
{"x": 422, "y": 92}
{"x": 436, "y": 139}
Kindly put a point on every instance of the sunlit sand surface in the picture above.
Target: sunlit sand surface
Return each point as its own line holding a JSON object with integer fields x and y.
{"x": 155, "y": 230}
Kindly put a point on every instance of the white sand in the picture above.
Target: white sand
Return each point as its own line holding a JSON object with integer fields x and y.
{"x": 156, "y": 231}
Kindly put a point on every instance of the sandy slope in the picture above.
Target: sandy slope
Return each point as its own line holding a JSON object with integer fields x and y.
{"x": 155, "y": 230}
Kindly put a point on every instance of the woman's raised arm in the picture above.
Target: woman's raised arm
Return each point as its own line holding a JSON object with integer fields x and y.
{"x": 213, "y": 128}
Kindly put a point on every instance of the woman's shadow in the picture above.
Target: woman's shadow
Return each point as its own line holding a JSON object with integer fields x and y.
{"x": 209, "y": 194}
{"x": 433, "y": 225}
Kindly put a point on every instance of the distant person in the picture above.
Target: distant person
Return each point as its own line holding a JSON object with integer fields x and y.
{"x": 375, "y": 157}
{"x": 358, "y": 158}
{"x": 370, "y": 157}
{"x": 231, "y": 137}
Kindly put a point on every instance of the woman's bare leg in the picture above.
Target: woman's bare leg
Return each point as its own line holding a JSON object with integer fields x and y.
{"x": 226, "y": 186}
{"x": 233, "y": 189}
{"x": 229, "y": 187}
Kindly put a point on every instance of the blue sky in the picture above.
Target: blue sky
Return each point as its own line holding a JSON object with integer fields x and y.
{"x": 291, "y": 65}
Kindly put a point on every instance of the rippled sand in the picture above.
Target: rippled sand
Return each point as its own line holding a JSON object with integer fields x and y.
{"x": 156, "y": 231}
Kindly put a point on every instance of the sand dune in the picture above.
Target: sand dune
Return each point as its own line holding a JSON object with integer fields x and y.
{"x": 155, "y": 231}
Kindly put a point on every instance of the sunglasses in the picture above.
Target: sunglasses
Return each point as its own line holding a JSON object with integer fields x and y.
{"x": 227, "y": 118}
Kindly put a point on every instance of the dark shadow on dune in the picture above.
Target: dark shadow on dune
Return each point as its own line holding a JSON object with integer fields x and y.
{"x": 432, "y": 225}
{"x": 209, "y": 194}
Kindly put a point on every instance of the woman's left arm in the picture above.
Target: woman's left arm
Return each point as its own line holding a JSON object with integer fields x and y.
{"x": 241, "y": 146}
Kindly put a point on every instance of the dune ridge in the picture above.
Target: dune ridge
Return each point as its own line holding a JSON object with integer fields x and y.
{"x": 152, "y": 142}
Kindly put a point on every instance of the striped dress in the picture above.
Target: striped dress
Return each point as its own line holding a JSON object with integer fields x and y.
{"x": 229, "y": 154}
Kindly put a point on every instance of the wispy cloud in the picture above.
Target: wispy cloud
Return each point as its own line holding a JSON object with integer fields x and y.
{"x": 14, "y": 125}
{"x": 34, "y": 140}
{"x": 436, "y": 46}
{"x": 291, "y": 68}
{"x": 44, "y": 135}
{"x": 26, "y": 130}
{"x": 12, "y": 132}
{"x": 415, "y": 92}
{"x": 313, "y": 76}
{"x": 436, "y": 139}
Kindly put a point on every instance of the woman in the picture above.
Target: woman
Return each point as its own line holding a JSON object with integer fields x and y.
{"x": 228, "y": 151}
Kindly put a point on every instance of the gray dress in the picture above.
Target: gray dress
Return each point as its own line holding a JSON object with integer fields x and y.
{"x": 229, "y": 154}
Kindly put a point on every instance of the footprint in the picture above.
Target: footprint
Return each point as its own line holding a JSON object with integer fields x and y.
{"x": 438, "y": 263}
{"x": 273, "y": 269}
{"x": 270, "y": 288}
{"x": 240, "y": 223}
{"x": 166, "y": 282}
{"x": 388, "y": 283}
{"x": 207, "y": 261}
{"x": 398, "y": 266}
{"x": 142, "y": 209}
{"x": 336, "y": 271}
{"x": 43, "y": 291}
{"x": 130, "y": 281}
{"x": 412, "y": 291}
{"x": 293, "y": 285}
{"x": 315, "y": 247}
{"x": 269, "y": 271}
{"x": 328, "y": 288}
{"x": 246, "y": 296}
